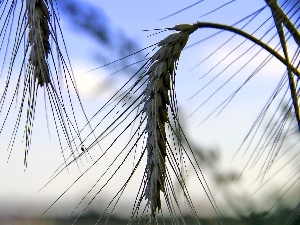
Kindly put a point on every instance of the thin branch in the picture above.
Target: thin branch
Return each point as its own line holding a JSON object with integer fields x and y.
{"x": 241, "y": 33}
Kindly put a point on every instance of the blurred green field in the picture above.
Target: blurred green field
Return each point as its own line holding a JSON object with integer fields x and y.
{"x": 279, "y": 218}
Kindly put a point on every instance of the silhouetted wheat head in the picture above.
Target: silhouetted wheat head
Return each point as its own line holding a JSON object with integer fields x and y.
{"x": 156, "y": 101}
{"x": 33, "y": 39}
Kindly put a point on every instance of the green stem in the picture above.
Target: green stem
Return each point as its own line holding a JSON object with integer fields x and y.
{"x": 278, "y": 19}
{"x": 249, "y": 37}
{"x": 279, "y": 14}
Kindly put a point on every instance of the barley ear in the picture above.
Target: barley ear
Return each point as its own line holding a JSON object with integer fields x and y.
{"x": 38, "y": 38}
{"x": 156, "y": 98}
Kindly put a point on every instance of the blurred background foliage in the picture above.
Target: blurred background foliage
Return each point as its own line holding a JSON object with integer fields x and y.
{"x": 113, "y": 42}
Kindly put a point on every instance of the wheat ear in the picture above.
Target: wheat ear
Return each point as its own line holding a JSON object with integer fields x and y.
{"x": 38, "y": 38}
{"x": 156, "y": 98}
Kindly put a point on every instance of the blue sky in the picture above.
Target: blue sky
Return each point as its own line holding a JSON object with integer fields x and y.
{"x": 224, "y": 132}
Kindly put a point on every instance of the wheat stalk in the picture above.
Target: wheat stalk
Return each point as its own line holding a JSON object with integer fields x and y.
{"x": 38, "y": 38}
{"x": 156, "y": 98}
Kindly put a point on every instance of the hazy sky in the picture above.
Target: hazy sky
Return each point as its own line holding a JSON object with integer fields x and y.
{"x": 225, "y": 132}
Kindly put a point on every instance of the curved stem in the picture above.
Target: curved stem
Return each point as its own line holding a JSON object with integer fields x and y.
{"x": 247, "y": 36}
{"x": 278, "y": 19}
{"x": 281, "y": 16}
